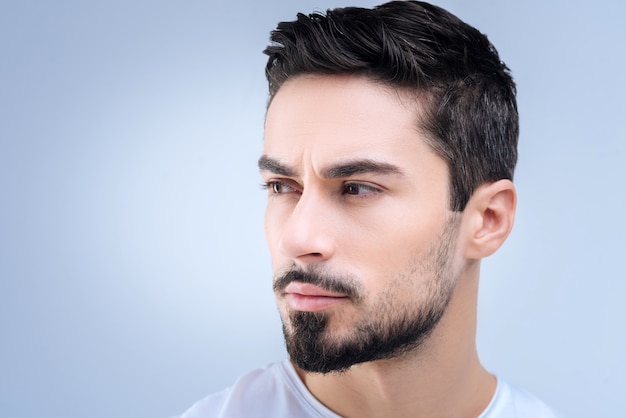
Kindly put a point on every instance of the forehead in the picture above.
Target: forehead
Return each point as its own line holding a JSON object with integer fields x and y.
{"x": 324, "y": 119}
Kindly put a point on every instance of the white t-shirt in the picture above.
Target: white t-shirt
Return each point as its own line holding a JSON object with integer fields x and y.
{"x": 277, "y": 391}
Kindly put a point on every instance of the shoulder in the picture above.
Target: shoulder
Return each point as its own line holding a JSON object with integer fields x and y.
{"x": 272, "y": 391}
{"x": 512, "y": 402}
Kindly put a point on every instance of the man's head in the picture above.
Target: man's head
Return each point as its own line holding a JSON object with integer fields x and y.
{"x": 389, "y": 139}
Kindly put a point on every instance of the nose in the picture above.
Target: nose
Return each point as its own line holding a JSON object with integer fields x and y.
{"x": 307, "y": 235}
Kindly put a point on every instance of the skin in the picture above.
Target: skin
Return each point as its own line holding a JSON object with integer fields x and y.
{"x": 371, "y": 223}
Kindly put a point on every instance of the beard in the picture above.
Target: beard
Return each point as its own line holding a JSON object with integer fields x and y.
{"x": 387, "y": 328}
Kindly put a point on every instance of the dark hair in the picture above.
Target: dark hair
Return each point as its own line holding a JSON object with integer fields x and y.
{"x": 470, "y": 112}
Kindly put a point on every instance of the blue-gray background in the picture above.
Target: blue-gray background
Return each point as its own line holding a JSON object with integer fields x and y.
{"x": 134, "y": 278}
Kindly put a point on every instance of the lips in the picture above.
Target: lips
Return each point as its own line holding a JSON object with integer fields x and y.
{"x": 310, "y": 298}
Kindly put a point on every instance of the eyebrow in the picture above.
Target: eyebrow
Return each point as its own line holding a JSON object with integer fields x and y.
{"x": 276, "y": 167}
{"x": 341, "y": 170}
{"x": 350, "y": 168}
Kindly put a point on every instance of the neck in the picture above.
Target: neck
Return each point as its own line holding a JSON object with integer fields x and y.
{"x": 441, "y": 378}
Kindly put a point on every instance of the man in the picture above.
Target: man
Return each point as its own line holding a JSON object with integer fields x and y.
{"x": 389, "y": 150}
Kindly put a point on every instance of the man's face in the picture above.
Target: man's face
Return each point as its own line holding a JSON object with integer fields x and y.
{"x": 363, "y": 244}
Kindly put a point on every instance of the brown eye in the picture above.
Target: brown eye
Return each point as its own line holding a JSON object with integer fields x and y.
{"x": 351, "y": 188}
{"x": 359, "y": 189}
{"x": 278, "y": 187}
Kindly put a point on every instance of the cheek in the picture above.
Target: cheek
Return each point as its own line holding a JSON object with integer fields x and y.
{"x": 273, "y": 230}
{"x": 391, "y": 240}
{"x": 386, "y": 255}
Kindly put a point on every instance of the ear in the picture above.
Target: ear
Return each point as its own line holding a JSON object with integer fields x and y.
{"x": 489, "y": 214}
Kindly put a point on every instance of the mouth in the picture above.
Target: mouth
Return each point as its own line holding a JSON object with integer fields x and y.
{"x": 307, "y": 297}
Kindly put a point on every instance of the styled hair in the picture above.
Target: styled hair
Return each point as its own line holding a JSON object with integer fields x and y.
{"x": 467, "y": 95}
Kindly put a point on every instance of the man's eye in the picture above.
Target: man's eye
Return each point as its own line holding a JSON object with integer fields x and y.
{"x": 277, "y": 187}
{"x": 359, "y": 189}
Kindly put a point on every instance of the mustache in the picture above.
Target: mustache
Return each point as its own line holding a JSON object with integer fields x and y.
{"x": 345, "y": 286}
